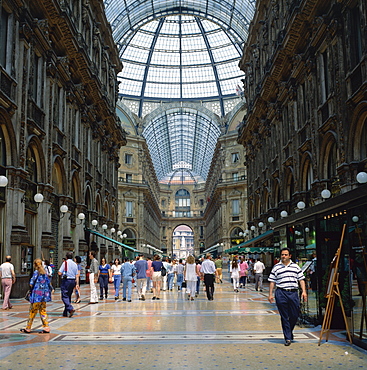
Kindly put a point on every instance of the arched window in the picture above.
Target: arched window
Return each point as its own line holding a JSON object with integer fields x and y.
{"x": 31, "y": 165}
{"x": 236, "y": 232}
{"x": 182, "y": 198}
{"x": 182, "y": 203}
{"x": 309, "y": 177}
{"x": 363, "y": 145}
{"x": 276, "y": 193}
{"x": 290, "y": 185}
{"x": 331, "y": 162}
{"x": 2, "y": 152}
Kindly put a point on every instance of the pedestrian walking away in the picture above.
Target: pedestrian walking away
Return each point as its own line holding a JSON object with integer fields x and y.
{"x": 208, "y": 270}
{"x": 141, "y": 267}
{"x": 93, "y": 277}
{"x": 78, "y": 261}
{"x": 259, "y": 271}
{"x": 235, "y": 275}
{"x": 156, "y": 277}
{"x": 127, "y": 274}
{"x": 219, "y": 268}
{"x": 69, "y": 271}
{"x": 286, "y": 275}
{"x": 7, "y": 275}
{"x": 190, "y": 277}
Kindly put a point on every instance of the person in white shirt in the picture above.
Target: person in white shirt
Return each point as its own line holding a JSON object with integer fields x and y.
{"x": 209, "y": 272}
{"x": 259, "y": 270}
{"x": 167, "y": 266}
{"x": 7, "y": 275}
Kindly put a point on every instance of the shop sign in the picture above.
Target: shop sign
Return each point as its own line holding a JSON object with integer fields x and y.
{"x": 237, "y": 241}
{"x": 130, "y": 242}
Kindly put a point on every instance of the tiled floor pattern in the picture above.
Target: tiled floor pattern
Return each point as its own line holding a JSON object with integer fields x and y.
{"x": 235, "y": 331}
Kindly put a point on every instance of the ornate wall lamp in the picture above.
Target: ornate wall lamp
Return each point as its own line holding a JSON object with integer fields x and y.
{"x": 362, "y": 177}
{"x": 94, "y": 223}
{"x": 63, "y": 210}
{"x": 81, "y": 217}
{"x": 301, "y": 205}
{"x": 38, "y": 198}
{"x": 326, "y": 194}
{"x": 3, "y": 181}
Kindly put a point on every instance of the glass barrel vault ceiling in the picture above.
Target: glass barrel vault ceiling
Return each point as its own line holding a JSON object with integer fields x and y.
{"x": 181, "y": 142}
{"x": 179, "y": 50}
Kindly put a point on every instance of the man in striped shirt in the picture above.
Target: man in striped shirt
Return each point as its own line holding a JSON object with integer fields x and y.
{"x": 286, "y": 275}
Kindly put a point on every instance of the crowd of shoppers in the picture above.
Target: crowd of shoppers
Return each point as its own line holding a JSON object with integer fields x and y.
{"x": 164, "y": 274}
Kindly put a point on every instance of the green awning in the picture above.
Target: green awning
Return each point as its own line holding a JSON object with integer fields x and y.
{"x": 112, "y": 240}
{"x": 256, "y": 250}
{"x": 311, "y": 246}
{"x": 248, "y": 243}
{"x": 232, "y": 250}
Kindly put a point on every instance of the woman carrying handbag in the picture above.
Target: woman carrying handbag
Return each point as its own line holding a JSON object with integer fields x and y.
{"x": 41, "y": 290}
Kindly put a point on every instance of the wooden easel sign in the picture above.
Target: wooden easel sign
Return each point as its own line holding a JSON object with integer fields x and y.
{"x": 333, "y": 291}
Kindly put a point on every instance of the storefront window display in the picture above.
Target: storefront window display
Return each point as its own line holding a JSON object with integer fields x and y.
{"x": 328, "y": 239}
{"x": 357, "y": 235}
{"x": 301, "y": 240}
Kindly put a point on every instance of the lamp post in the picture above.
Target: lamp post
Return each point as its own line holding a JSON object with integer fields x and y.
{"x": 283, "y": 214}
{"x": 94, "y": 223}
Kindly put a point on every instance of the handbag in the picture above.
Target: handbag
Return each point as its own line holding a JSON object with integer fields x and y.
{"x": 29, "y": 291}
{"x": 163, "y": 271}
{"x": 28, "y": 295}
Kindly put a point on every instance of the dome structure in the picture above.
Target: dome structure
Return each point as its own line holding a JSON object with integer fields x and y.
{"x": 180, "y": 53}
{"x": 180, "y": 50}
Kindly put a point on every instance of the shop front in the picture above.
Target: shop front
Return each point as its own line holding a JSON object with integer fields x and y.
{"x": 313, "y": 237}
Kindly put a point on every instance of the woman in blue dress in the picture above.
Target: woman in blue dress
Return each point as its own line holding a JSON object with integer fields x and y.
{"x": 41, "y": 294}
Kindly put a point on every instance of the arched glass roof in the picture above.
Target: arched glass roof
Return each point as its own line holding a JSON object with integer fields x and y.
{"x": 179, "y": 50}
{"x": 181, "y": 139}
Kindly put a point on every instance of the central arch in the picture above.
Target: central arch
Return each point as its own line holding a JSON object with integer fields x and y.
{"x": 182, "y": 241}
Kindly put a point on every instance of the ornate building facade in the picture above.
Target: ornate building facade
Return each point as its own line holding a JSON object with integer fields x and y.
{"x": 305, "y": 134}
{"x": 151, "y": 210}
{"x": 59, "y": 132}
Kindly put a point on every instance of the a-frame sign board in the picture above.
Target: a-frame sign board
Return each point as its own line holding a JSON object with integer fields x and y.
{"x": 333, "y": 291}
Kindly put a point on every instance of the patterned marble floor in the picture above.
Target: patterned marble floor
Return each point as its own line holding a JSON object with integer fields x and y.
{"x": 235, "y": 331}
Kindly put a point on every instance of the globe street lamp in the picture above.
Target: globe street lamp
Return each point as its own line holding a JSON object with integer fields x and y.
{"x": 3, "y": 181}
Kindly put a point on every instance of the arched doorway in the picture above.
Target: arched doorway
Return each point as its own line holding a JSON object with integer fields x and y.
{"x": 182, "y": 241}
